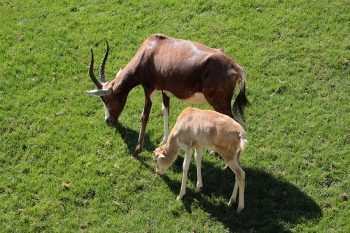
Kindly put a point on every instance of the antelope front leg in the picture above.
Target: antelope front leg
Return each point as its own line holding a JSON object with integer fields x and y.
{"x": 144, "y": 120}
{"x": 198, "y": 159}
{"x": 186, "y": 166}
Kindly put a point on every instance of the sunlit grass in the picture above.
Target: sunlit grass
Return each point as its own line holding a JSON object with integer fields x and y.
{"x": 63, "y": 170}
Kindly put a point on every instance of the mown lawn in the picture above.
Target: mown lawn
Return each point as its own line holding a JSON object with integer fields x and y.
{"x": 62, "y": 169}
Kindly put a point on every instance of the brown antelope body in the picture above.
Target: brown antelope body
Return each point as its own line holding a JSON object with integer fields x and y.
{"x": 188, "y": 70}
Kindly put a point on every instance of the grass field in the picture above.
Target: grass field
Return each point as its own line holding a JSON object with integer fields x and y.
{"x": 62, "y": 169}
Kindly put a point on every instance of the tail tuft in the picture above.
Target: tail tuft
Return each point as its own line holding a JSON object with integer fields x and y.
{"x": 241, "y": 100}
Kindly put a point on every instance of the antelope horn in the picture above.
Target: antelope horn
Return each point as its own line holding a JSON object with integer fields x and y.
{"x": 102, "y": 66}
{"x": 91, "y": 72}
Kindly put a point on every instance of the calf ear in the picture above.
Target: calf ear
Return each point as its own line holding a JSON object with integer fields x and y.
{"x": 99, "y": 92}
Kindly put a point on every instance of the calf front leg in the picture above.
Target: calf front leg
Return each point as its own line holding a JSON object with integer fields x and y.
{"x": 144, "y": 120}
{"x": 186, "y": 166}
{"x": 165, "y": 110}
{"x": 198, "y": 159}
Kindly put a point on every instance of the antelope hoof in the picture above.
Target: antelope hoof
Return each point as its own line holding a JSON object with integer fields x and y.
{"x": 239, "y": 210}
{"x": 198, "y": 188}
{"x": 232, "y": 200}
{"x": 137, "y": 151}
{"x": 179, "y": 197}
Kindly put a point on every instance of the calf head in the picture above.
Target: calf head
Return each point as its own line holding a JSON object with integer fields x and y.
{"x": 160, "y": 160}
{"x": 113, "y": 103}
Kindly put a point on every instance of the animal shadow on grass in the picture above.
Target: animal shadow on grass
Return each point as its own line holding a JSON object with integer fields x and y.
{"x": 270, "y": 203}
{"x": 130, "y": 138}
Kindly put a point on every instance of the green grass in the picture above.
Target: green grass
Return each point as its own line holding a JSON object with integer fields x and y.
{"x": 63, "y": 170}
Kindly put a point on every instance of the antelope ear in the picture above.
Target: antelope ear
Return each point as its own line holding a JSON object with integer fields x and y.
{"x": 99, "y": 92}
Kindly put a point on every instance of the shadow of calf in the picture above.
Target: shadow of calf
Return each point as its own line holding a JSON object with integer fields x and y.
{"x": 270, "y": 203}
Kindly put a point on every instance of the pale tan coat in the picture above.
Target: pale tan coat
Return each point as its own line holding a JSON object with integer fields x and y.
{"x": 196, "y": 128}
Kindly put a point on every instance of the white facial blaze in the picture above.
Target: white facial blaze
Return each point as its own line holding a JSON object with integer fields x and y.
{"x": 99, "y": 92}
{"x": 106, "y": 111}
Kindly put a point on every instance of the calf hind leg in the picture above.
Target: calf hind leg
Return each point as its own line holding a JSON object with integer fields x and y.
{"x": 240, "y": 177}
{"x": 234, "y": 193}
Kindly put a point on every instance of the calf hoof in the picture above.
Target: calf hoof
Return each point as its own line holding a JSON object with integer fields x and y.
{"x": 239, "y": 210}
{"x": 231, "y": 201}
{"x": 179, "y": 197}
{"x": 199, "y": 187}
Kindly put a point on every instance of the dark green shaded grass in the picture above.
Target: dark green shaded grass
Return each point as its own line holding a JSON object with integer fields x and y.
{"x": 63, "y": 170}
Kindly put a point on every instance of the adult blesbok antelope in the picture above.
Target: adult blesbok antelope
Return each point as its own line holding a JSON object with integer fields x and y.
{"x": 190, "y": 71}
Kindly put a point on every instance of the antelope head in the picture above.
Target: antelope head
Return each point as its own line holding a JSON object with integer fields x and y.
{"x": 112, "y": 102}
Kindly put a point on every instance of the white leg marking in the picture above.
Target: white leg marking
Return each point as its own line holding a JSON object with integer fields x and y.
{"x": 166, "y": 124}
{"x": 198, "y": 158}
{"x": 106, "y": 111}
{"x": 186, "y": 166}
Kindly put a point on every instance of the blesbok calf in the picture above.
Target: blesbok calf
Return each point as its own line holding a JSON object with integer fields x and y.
{"x": 188, "y": 70}
{"x": 197, "y": 128}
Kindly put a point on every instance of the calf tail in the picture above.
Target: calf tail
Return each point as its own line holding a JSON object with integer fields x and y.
{"x": 243, "y": 141}
{"x": 242, "y": 144}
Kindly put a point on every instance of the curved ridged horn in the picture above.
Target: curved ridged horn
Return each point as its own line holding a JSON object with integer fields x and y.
{"x": 91, "y": 72}
{"x": 102, "y": 66}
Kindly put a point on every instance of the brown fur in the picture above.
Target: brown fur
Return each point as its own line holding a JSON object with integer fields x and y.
{"x": 178, "y": 66}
